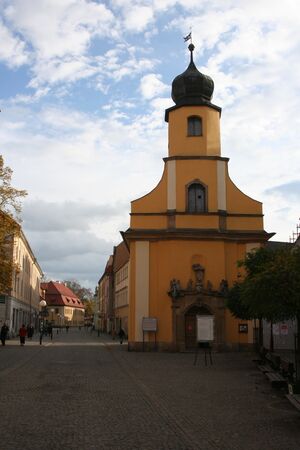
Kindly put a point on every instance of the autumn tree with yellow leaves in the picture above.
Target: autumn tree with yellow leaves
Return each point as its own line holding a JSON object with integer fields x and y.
{"x": 10, "y": 209}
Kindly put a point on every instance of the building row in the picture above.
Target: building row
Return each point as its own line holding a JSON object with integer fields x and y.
{"x": 112, "y": 299}
{"x": 21, "y": 304}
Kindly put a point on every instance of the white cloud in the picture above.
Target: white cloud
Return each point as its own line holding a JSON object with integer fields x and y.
{"x": 12, "y": 49}
{"x": 138, "y": 18}
{"x": 76, "y": 255}
{"x": 59, "y": 28}
{"x": 152, "y": 86}
{"x": 57, "y": 71}
{"x": 40, "y": 215}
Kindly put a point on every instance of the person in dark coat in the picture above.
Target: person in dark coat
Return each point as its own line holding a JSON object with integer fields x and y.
{"x": 3, "y": 333}
{"x": 50, "y": 330}
{"x": 30, "y": 331}
{"x": 121, "y": 335}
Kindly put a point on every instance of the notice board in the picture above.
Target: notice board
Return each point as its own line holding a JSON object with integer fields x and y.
{"x": 205, "y": 328}
{"x": 149, "y": 324}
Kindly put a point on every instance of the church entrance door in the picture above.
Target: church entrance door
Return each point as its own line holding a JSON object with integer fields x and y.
{"x": 190, "y": 331}
{"x": 191, "y": 325}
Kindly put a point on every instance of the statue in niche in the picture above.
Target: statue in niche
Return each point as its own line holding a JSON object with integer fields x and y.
{"x": 199, "y": 272}
{"x": 223, "y": 289}
{"x": 175, "y": 288}
{"x": 189, "y": 286}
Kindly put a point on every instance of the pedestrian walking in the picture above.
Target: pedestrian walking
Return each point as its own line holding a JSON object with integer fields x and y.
{"x": 113, "y": 333}
{"x": 22, "y": 334}
{"x": 121, "y": 335}
{"x": 3, "y": 333}
{"x": 30, "y": 331}
{"x": 50, "y": 330}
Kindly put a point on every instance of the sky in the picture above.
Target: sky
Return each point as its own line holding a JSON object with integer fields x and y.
{"x": 83, "y": 89}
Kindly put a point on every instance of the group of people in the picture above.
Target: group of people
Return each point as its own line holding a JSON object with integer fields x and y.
{"x": 23, "y": 333}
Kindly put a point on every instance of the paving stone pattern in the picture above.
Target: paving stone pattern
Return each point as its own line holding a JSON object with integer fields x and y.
{"x": 83, "y": 391}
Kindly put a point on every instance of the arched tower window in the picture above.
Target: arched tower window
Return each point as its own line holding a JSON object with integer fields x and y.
{"x": 194, "y": 126}
{"x": 196, "y": 198}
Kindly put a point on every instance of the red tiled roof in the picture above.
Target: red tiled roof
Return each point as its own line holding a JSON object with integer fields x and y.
{"x": 57, "y": 294}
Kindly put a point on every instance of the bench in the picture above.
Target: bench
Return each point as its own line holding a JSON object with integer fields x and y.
{"x": 264, "y": 368}
{"x": 273, "y": 360}
{"x": 295, "y": 400}
{"x": 276, "y": 379}
{"x": 287, "y": 368}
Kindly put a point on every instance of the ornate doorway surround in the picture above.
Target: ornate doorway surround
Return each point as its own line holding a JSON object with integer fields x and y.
{"x": 193, "y": 300}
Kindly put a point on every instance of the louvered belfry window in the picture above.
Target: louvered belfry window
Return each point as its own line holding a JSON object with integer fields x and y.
{"x": 196, "y": 198}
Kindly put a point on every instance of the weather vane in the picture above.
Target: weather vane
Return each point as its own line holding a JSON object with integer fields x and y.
{"x": 188, "y": 37}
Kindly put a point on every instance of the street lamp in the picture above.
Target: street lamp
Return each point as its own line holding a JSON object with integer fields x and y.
{"x": 43, "y": 314}
{"x": 98, "y": 314}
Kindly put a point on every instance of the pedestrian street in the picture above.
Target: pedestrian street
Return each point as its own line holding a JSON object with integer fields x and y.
{"x": 84, "y": 391}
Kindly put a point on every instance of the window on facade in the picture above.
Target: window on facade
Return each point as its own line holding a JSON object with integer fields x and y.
{"x": 196, "y": 198}
{"x": 194, "y": 126}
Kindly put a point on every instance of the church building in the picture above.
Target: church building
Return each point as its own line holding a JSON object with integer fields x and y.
{"x": 188, "y": 233}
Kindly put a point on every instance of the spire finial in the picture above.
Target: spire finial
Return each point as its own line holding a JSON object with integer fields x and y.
{"x": 191, "y": 48}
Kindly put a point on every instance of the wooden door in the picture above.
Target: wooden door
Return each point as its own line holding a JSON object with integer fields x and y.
{"x": 190, "y": 331}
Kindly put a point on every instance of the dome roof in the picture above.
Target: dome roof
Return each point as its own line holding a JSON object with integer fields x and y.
{"x": 192, "y": 87}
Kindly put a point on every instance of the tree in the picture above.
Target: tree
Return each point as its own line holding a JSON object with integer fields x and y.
{"x": 235, "y": 304}
{"x": 89, "y": 308}
{"x": 270, "y": 288}
{"x": 81, "y": 292}
{"x": 10, "y": 209}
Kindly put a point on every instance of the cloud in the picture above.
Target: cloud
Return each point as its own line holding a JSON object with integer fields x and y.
{"x": 12, "y": 50}
{"x": 72, "y": 254}
{"x": 57, "y": 29}
{"x": 152, "y": 86}
{"x": 40, "y": 215}
{"x": 138, "y": 18}
{"x": 290, "y": 191}
{"x": 58, "y": 71}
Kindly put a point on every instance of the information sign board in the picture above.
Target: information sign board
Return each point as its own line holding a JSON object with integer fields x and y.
{"x": 149, "y": 324}
{"x": 205, "y": 328}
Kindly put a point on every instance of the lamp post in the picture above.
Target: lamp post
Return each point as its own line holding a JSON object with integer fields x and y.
{"x": 98, "y": 317}
{"x": 43, "y": 313}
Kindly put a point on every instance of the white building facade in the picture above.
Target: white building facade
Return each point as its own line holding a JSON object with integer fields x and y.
{"x": 21, "y": 306}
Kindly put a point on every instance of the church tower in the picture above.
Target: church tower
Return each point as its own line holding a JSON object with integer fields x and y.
{"x": 188, "y": 233}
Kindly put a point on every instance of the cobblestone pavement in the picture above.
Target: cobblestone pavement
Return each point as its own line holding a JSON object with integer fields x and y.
{"x": 81, "y": 391}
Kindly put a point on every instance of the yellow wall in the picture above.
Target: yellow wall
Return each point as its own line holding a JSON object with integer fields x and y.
{"x": 182, "y": 144}
{"x": 155, "y": 201}
{"x": 174, "y": 259}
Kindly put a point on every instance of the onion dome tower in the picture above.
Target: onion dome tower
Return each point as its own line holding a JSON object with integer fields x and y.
{"x": 192, "y": 87}
{"x": 192, "y": 92}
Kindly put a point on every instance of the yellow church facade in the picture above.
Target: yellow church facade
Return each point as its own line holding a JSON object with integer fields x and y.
{"x": 186, "y": 235}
